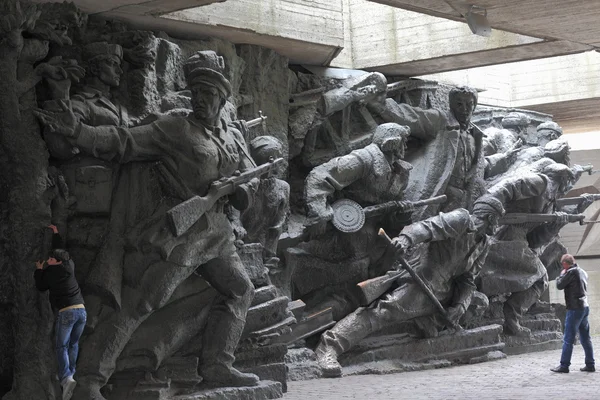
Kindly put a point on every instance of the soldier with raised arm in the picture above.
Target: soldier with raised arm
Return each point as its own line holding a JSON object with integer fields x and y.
{"x": 198, "y": 150}
{"x": 452, "y": 160}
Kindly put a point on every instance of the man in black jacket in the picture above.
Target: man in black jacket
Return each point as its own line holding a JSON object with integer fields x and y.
{"x": 58, "y": 276}
{"x": 574, "y": 281}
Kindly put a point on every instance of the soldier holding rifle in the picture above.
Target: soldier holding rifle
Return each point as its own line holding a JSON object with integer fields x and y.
{"x": 199, "y": 150}
{"x": 327, "y": 269}
{"x": 513, "y": 265}
{"x": 449, "y": 251}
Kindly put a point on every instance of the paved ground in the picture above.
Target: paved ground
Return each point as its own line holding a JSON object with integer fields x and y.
{"x": 526, "y": 376}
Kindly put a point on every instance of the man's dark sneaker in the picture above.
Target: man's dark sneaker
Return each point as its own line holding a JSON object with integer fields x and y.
{"x": 588, "y": 368}
{"x": 560, "y": 368}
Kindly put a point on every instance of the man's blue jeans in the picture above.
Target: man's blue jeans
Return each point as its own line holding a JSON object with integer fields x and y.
{"x": 577, "y": 320}
{"x": 69, "y": 327}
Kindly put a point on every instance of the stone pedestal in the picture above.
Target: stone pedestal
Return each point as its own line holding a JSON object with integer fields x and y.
{"x": 399, "y": 353}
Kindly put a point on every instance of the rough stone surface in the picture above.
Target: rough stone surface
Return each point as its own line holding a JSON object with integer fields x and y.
{"x": 521, "y": 376}
{"x": 264, "y": 390}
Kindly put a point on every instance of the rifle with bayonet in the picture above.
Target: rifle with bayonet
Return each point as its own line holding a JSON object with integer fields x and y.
{"x": 257, "y": 121}
{"x": 575, "y": 201}
{"x": 590, "y": 169}
{"x": 184, "y": 215}
{"x": 521, "y": 218}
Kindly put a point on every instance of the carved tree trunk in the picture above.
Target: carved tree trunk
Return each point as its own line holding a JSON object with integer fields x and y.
{"x": 24, "y": 171}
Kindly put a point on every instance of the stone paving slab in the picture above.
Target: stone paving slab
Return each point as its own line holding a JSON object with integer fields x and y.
{"x": 525, "y": 376}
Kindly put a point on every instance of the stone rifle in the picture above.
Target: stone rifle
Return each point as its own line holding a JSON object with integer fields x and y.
{"x": 184, "y": 215}
{"x": 522, "y": 218}
{"x": 373, "y": 289}
{"x": 574, "y": 201}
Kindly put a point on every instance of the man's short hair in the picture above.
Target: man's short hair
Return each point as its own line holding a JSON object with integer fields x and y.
{"x": 567, "y": 258}
{"x": 60, "y": 255}
{"x": 463, "y": 91}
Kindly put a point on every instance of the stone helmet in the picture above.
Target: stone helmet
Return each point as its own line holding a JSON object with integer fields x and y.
{"x": 391, "y": 136}
{"x": 263, "y": 148}
{"x": 515, "y": 120}
{"x": 101, "y": 50}
{"x": 206, "y": 67}
{"x": 551, "y": 126}
{"x": 548, "y": 131}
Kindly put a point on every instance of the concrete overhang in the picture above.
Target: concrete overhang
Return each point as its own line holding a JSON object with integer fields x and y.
{"x": 568, "y": 87}
{"x": 452, "y": 62}
{"x": 134, "y": 7}
{"x": 575, "y": 21}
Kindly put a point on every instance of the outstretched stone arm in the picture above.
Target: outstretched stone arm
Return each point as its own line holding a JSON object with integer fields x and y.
{"x": 423, "y": 124}
{"x": 117, "y": 144}
{"x": 441, "y": 227}
{"x": 336, "y": 174}
{"x": 516, "y": 188}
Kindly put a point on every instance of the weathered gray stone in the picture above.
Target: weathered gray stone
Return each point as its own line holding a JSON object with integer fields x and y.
{"x": 264, "y": 390}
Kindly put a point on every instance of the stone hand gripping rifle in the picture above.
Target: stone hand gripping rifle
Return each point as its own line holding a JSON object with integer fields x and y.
{"x": 373, "y": 289}
{"x": 184, "y": 215}
{"x": 574, "y": 201}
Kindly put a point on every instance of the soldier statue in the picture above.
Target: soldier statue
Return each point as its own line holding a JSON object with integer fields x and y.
{"x": 198, "y": 150}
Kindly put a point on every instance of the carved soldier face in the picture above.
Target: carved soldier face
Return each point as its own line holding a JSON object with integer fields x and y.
{"x": 109, "y": 71}
{"x": 394, "y": 148}
{"x": 545, "y": 136}
{"x": 462, "y": 107}
{"x": 206, "y": 102}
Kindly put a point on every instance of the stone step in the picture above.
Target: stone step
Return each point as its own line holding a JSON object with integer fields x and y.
{"x": 261, "y": 355}
{"x": 264, "y": 294}
{"x": 297, "y": 308}
{"x": 309, "y": 326}
{"x": 263, "y": 391}
{"x": 276, "y": 372}
{"x": 539, "y": 341}
{"x": 465, "y": 356}
{"x": 302, "y": 364}
{"x": 401, "y": 347}
{"x": 282, "y": 326}
{"x": 266, "y": 314}
{"x": 546, "y": 324}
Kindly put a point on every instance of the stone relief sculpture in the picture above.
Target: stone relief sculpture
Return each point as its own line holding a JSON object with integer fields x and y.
{"x": 458, "y": 248}
{"x": 328, "y": 267}
{"x": 199, "y": 150}
{"x": 525, "y": 276}
{"x": 452, "y": 143}
{"x": 136, "y": 131}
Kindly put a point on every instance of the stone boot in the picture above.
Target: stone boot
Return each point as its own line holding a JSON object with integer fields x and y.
{"x": 87, "y": 392}
{"x": 222, "y": 376}
{"x": 327, "y": 360}
{"x": 514, "y": 328}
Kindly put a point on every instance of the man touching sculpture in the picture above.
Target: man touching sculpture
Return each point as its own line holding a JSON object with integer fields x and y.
{"x": 199, "y": 150}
